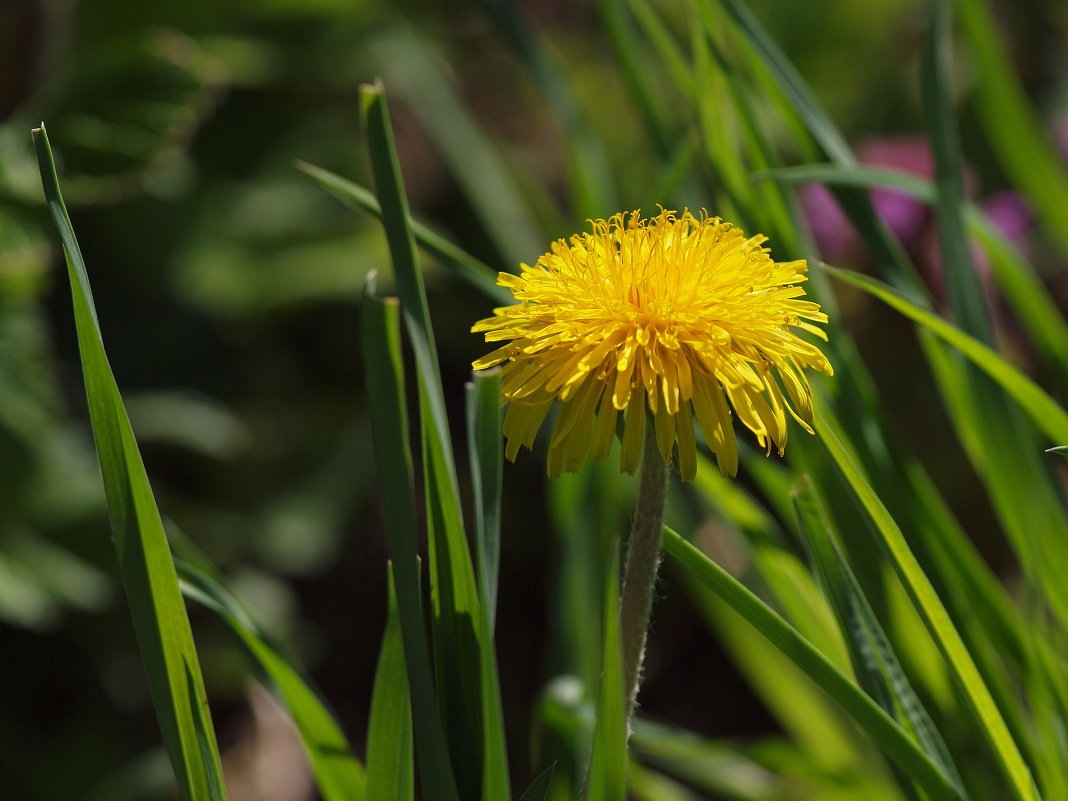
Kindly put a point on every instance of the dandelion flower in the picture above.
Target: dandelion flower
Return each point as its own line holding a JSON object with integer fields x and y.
{"x": 679, "y": 315}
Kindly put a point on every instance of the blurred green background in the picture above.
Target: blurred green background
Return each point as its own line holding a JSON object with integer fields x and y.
{"x": 227, "y": 284}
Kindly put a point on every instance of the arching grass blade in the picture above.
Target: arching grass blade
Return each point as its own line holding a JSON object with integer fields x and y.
{"x": 1043, "y": 410}
{"x": 874, "y": 662}
{"x": 148, "y": 574}
{"x": 885, "y": 732}
{"x": 338, "y": 775}
{"x": 938, "y": 622}
{"x": 454, "y": 258}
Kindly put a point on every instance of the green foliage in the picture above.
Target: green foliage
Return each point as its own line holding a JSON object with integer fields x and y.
{"x": 338, "y": 774}
{"x": 148, "y": 574}
{"x": 390, "y": 764}
{"x": 890, "y": 591}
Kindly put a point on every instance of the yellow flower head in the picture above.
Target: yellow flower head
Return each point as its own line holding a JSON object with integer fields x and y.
{"x": 682, "y": 315}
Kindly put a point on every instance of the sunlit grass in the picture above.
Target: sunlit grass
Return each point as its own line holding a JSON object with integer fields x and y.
{"x": 896, "y": 663}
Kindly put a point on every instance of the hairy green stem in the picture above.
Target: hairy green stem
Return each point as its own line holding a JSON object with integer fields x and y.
{"x": 643, "y": 559}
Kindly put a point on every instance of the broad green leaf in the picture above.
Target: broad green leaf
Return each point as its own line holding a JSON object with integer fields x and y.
{"x": 454, "y": 258}
{"x": 607, "y": 779}
{"x": 159, "y": 616}
{"x": 938, "y": 622}
{"x": 390, "y": 765}
{"x": 389, "y": 418}
{"x": 338, "y": 774}
{"x": 885, "y": 732}
{"x": 454, "y": 597}
{"x": 1043, "y": 410}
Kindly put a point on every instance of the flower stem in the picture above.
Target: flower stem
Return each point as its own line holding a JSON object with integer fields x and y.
{"x": 643, "y": 559}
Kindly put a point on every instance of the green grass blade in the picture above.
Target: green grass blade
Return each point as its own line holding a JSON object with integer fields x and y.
{"x": 790, "y": 82}
{"x": 629, "y": 50}
{"x": 936, "y": 618}
{"x": 671, "y": 56}
{"x": 1048, "y": 698}
{"x": 159, "y": 616}
{"x": 390, "y": 766}
{"x": 414, "y": 72}
{"x": 962, "y": 280}
{"x": 338, "y": 775}
{"x": 776, "y": 217}
{"x": 205, "y": 733}
{"x": 539, "y": 788}
{"x": 718, "y": 769}
{"x": 876, "y": 665}
{"x": 677, "y": 184}
{"x": 487, "y": 457}
{"x": 885, "y": 732}
{"x": 766, "y": 56}
{"x": 389, "y": 416}
{"x": 1035, "y": 309}
{"x": 815, "y": 726}
{"x": 1009, "y": 121}
{"x": 969, "y": 581}
{"x": 1024, "y": 493}
{"x": 676, "y": 178}
{"x": 852, "y": 175}
{"x": 791, "y": 586}
{"x": 587, "y": 512}
{"x": 592, "y": 187}
{"x": 487, "y": 477}
{"x": 454, "y": 258}
{"x": 994, "y": 628}
{"x": 454, "y": 596}
{"x": 1043, "y": 410}
{"x": 649, "y": 785}
{"x": 1002, "y": 446}
{"x": 607, "y": 779}
{"x": 717, "y": 122}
